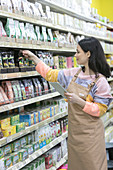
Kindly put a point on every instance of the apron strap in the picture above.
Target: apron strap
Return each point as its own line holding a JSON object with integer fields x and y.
{"x": 93, "y": 83}
{"x": 76, "y": 75}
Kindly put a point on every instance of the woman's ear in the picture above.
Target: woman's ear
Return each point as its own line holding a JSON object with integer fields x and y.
{"x": 88, "y": 54}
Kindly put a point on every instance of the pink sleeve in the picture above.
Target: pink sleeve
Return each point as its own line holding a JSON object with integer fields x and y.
{"x": 42, "y": 69}
{"x": 92, "y": 109}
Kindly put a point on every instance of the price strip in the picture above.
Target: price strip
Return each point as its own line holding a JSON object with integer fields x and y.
{"x": 40, "y": 152}
{"x": 9, "y": 139}
{"x": 19, "y": 75}
{"x": 4, "y": 76}
{"x": 55, "y": 142}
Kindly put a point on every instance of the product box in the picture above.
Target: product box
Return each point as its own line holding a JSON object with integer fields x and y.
{"x": 35, "y": 146}
{"x": 8, "y": 131}
{"x": 1, "y": 152}
{"x": 16, "y": 145}
{"x": 40, "y": 113}
{"x": 23, "y": 154}
{"x": 23, "y": 141}
{"x": 27, "y": 118}
{"x": 7, "y": 161}
{"x": 15, "y": 120}
{"x": 15, "y": 157}
{"x": 20, "y": 126}
{"x": 36, "y": 117}
{"x": 42, "y": 160}
{"x": 29, "y": 148}
{"x": 4, "y": 123}
{"x": 29, "y": 139}
{"x": 7, "y": 149}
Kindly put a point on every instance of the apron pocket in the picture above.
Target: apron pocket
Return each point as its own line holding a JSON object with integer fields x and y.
{"x": 81, "y": 135}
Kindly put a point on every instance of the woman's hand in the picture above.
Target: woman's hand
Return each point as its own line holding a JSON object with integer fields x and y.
{"x": 31, "y": 56}
{"x": 73, "y": 98}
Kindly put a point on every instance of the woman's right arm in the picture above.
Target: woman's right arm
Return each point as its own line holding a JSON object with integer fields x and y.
{"x": 44, "y": 70}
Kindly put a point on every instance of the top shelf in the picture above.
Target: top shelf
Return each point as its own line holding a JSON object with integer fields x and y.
{"x": 58, "y": 8}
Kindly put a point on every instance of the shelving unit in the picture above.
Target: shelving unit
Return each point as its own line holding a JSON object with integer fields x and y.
{"x": 31, "y": 19}
{"x": 39, "y": 152}
{"x": 30, "y": 129}
{"x": 58, "y": 8}
{"x": 27, "y": 102}
{"x": 47, "y": 47}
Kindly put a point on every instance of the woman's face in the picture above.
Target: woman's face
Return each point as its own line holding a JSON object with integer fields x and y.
{"x": 82, "y": 57}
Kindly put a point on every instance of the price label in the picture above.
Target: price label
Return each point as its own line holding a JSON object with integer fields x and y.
{"x": 9, "y": 139}
{"x": 4, "y": 76}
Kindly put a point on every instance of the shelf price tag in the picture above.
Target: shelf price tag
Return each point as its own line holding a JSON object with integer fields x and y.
{"x": 9, "y": 139}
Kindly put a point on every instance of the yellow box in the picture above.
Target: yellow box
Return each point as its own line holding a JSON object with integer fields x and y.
{"x": 5, "y": 123}
{"x": 8, "y": 131}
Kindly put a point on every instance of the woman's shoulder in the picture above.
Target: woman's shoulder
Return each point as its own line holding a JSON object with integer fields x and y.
{"x": 103, "y": 86}
{"x": 71, "y": 71}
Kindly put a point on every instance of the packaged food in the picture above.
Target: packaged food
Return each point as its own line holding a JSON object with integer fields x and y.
{"x": 8, "y": 131}
{"x": 23, "y": 154}
{"x": 23, "y": 141}
{"x": 14, "y": 119}
{"x": 15, "y": 157}
{"x": 27, "y": 118}
{"x": 1, "y": 152}
{"x": 20, "y": 126}
{"x": 7, "y": 149}
{"x": 5, "y": 122}
{"x": 16, "y": 145}
{"x": 29, "y": 139}
{"x": 7, "y": 161}
{"x": 22, "y": 90}
{"x": 35, "y": 146}
{"x": 30, "y": 149}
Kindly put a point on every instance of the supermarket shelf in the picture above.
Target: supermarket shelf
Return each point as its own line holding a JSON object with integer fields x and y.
{"x": 61, "y": 162}
{"x": 57, "y": 7}
{"x": 49, "y": 24}
{"x": 110, "y": 107}
{"x": 28, "y": 101}
{"x": 18, "y": 75}
{"x": 108, "y": 122}
{"x": 37, "y": 47}
{"x": 39, "y": 152}
{"x": 30, "y": 129}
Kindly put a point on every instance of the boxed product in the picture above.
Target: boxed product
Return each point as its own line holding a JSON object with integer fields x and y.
{"x": 15, "y": 157}
{"x": 16, "y": 145}
{"x": 8, "y": 131}
{"x": 36, "y": 117}
{"x": 5, "y": 123}
{"x": 7, "y": 161}
{"x": 42, "y": 160}
{"x": 29, "y": 139}
{"x": 1, "y": 152}
{"x": 14, "y": 119}
{"x": 23, "y": 141}
{"x": 20, "y": 126}
{"x": 23, "y": 154}
{"x": 7, "y": 149}
{"x": 29, "y": 149}
{"x": 27, "y": 118}
{"x": 35, "y": 146}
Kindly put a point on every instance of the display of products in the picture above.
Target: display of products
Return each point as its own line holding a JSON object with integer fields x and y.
{"x": 53, "y": 37}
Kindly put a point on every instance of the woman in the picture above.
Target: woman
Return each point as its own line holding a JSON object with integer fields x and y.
{"x": 88, "y": 99}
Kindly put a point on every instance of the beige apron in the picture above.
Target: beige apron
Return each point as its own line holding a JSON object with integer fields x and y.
{"x": 86, "y": 142}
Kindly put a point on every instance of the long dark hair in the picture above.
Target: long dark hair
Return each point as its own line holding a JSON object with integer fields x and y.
{"x": 97, "y": 60}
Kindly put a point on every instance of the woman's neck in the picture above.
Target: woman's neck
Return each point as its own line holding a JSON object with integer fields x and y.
{"x": 88, "y": 71}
